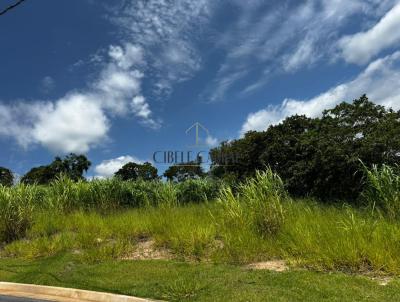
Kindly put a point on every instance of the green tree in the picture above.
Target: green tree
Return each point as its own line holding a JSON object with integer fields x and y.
{"x": 319, "y": 156}
{"x": 39, "y": 175}
{"x": 6, "y": 177}
{"x": 184, "y": 171}
{"x": 134, "y": 171}
{"x": 72, "y": 166}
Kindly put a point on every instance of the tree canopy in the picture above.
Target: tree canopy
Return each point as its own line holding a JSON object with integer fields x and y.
{"x": 134, "y": 171}
{"x": 184, "y": 171}
{"x": 319, "y": 156}
{"x": 6, "y": 177}
{"x": 72, "y": 166}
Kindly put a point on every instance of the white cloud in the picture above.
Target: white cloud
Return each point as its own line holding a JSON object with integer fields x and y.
{"x": 126, "y": 58}
{"x": 261, "y": 119}
{"x": 157, "y": 39}
{"x": 167, "y": 30}
{"x": 361, "y": 47}
{"x": 305, "y": 53}
{"x": 225, "y": 83}
{"x": 16, "y": 120}
{"x": 73, "y": 124}
{"x": 211, "y": 141}
{"x": 285, "y": 37}
{"x": 379, "y": 81}
{"x": 107, "y": 168}
{"x": 79, "y": 121}
{"x": 141, "y": 109}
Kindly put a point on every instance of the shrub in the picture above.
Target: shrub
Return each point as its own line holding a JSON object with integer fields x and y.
{"x": 383, "y": 190}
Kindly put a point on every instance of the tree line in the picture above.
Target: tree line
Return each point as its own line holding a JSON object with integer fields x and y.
{"x": 74, "y": 166}
{"x": 321, "y": 157}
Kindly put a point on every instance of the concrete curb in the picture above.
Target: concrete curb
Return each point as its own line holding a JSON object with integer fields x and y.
{"x": 61, "y": 294}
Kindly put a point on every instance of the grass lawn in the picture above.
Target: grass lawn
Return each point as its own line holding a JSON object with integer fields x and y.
{"x": 184, "y": 281}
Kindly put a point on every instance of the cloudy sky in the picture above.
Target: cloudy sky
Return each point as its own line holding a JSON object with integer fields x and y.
{"x": 119, "y": 80}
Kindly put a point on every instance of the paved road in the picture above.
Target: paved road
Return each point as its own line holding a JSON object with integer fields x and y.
{"x": 15, "y": 299}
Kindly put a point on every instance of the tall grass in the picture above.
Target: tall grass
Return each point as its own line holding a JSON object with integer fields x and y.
{"x": 383, "y": 190}
{"x": 255, "y": 222}
{"x": 257, "y": 204}
{"x": 16, "y": 210}
{"x": 17, "y": 204}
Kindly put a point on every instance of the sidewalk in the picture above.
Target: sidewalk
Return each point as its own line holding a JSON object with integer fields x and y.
{"x": 59, "y": 294}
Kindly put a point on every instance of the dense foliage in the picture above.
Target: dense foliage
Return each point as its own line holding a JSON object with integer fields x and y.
{"x": 133, "y": 171}
{"x": 318, "y": 156}
{"x": 72, "y": 166}
{"x": 6, "y": 177}
{"x": 184, "y": 171}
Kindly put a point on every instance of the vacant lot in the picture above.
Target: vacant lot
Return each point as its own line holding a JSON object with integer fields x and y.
{"x": 250, "y": 242}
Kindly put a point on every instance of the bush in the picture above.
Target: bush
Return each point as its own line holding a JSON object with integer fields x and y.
{"x": 383, "y": 190}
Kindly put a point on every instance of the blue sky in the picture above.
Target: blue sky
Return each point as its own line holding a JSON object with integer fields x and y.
{"x": 119, "y": 80}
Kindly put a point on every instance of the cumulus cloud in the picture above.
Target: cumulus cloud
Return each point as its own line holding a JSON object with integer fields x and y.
{"x": 81, "y": 119}
{"x": 73, "y": 124}
{"x": 107, "y": 168}
{"x": 17, "y": 119}
{"x": 361, "y": 47}
{"x": 163, "y": 46}
{"x": 374, "y": 81}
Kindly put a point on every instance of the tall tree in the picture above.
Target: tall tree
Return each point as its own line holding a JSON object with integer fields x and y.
{"x": 183, "y": 171}
{"x": 134, "y": 171}
{"x": 6, "y": 177}
{"x": 320, "y": 156}
{"x": 72, "y": 166}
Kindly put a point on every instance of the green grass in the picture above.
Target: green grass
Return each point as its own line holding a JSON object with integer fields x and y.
{"x": 312, "y": 236}
{"x": 182, "y": 281}
{"x": 81, "y": 230}
{"x": 19, "y": 203}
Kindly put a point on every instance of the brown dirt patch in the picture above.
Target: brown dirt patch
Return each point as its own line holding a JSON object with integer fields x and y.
{"x": 147, "y": 250}
{"x": 382, "y": 280}
{"x": 272, "y": 265}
